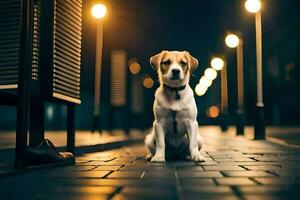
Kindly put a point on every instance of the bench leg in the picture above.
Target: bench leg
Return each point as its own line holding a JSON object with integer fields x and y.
{"x": 95, "y": 125}
{"x": 21, "y": 133}
{"x": 71, "y": 128}
{"x": 36, "y": 127}
{"x": 23, "y": 84}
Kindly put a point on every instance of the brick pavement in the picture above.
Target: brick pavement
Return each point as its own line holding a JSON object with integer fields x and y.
{"x": 235, "y": 168}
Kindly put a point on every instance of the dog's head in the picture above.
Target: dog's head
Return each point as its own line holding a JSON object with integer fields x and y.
{"x": 174, "y": 67}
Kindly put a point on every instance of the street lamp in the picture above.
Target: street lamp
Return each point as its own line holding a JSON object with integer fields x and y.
{"x": 254, "y": 6}
{"x": 233, "y": 41}
{"x": 217, "y": 63}
{"x": 98, "y": 11}
{"x": 224, "y": 98}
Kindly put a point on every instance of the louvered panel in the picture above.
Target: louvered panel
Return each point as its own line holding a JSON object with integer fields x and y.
{"x": 73, "y": 93}
{"x": 11, "y": 49}
{"x": 36, "y": 40}
{"x": 63, "y": 83}
{"x": 58, "y": 65}
{"x": 67, "y": 77}
{"x": 70, "y": 48}
{"x": 9, "y": 25}
{"x": 67, "y": 93}
{"x": 67, "y": 53}
{"x": 65, "y": 38}
{"x": 64, "y": 62}
{"x": 10, "y": 77}
{"x": 8, "y": 72}
{"x": 67, "y": 49}
{"x": 66, "y": 71}
{"x": 9, "y": 43}
{"x": 118, "y": 78}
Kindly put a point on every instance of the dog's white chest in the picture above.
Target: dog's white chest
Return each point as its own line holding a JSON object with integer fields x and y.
{"x": 175, "y": 115}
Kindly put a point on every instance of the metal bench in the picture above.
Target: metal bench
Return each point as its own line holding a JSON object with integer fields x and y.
{"x": 40, "y": 61}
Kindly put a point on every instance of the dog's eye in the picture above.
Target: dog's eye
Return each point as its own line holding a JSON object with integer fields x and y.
{"x": 182, "y": 63}
{"x": 166, "y": 62}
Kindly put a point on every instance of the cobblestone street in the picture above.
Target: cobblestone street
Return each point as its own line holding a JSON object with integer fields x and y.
{"x": 235, "y": 168}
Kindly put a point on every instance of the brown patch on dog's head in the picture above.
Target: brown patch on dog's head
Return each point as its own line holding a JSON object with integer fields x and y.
{"x": 192, "y": 62}
{"x": 173, "y": 67}
{"x": 156, "y": 60}
{"x": 182, "y": 61}
{"x": 165, "y": 59}
{"x": 166, "y": 62}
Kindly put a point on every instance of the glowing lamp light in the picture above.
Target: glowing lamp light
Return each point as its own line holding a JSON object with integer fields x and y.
{"x": 148, "y": 82}
{"x": 210, "y": 73}
{"x": 200, "y": 90}
{"x": 205, "y": 82}
{"x": 217, "y": 63}
{"x": 213, "y": 112}
{"x": 135, "y": 68}
{"x": 99, "y": 11}
{"x": 232, "y": 41}
{"x": 253, "y": 6}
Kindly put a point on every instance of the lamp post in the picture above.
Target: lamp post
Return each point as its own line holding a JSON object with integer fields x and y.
{"x": 233, "y": 41}
{"x": 224, "y": 99}
{"x": 219, "y": 64}
{"x": 98, "y": 11}
{"x": 254, "y": 6}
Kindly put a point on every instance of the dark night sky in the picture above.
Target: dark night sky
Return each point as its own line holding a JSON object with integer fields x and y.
{"x": 143, "y": 28}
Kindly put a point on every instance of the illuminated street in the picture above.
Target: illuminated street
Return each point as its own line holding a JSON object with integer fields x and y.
{"x": 140, "y": 99}
{"x": 235, "y": 168}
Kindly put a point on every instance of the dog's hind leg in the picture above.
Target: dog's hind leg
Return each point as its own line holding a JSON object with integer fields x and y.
{"x": 150, "y": 142}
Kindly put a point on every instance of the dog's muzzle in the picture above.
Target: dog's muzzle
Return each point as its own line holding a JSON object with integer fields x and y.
{"x": 175, "y": 74}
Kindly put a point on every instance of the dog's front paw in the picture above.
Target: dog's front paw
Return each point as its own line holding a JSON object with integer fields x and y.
{"x": 196, "y": 156}
{"x": 158, "y": 158}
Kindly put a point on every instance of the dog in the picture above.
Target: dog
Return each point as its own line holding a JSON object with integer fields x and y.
{"x": 175, "y": 128}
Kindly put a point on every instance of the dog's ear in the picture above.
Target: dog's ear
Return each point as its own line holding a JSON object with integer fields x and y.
{"x": 155, "y": 60}
{"x": 193, "y": 62}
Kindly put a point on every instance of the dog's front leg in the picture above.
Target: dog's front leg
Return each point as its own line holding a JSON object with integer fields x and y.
{"x": 160, "y": 142}
{"x": 192, "y": 131}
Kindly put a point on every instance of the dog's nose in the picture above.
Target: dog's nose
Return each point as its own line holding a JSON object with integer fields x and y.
{"x": 175, "y": 72}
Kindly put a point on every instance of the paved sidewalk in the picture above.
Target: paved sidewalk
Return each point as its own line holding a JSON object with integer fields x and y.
{"x": 235, "y": 168}
{"x": 84, "y": 141}
{"x": 82, "y": 138}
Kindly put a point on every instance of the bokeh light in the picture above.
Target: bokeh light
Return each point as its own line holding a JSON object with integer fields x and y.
{"x": 99, "y": 11}
{"x": 232, "y": 40}
{"x": 200, "y": 90}
{"x": 253, "y": 6}
{"x": 134, "y": 68}
{"x": 210, "y": 73}
{"x": 205, "y": 82}
{"x": 217, "y": 63}
{"x": 213, "y": 112}
{"x": 148, "y": 82}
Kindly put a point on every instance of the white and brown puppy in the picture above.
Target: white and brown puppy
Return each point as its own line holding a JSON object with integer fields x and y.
{"x": 175, "y": 129}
